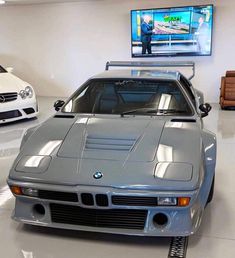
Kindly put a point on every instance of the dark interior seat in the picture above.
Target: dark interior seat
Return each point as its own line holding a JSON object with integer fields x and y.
{"x": 106, "y": 101}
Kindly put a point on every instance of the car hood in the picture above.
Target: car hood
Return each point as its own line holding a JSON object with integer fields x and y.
{"x": 11, "y": 83}
{"x": 127, "y": 151}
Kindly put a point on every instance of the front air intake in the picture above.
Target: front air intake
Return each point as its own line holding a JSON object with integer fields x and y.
{"x": 111, "y": 218}
{"x": 10, "y": 114}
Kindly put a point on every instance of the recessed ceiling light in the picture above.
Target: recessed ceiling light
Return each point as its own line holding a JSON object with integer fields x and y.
{"x": 2, "y": 2}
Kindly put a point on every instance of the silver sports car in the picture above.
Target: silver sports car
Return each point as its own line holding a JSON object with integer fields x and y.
{"x": 127, "y": 153}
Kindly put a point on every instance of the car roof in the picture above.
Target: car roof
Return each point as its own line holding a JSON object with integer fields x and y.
{"x": 138, "y": 74}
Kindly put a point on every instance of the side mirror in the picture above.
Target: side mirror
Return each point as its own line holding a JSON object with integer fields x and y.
{"x": 10, "y": 69}
{"x": 58, "y": 105}
{"x": 205, "y": 108}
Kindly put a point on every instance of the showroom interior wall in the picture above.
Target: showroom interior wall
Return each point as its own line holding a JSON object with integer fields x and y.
{"x": 55, "y": 47}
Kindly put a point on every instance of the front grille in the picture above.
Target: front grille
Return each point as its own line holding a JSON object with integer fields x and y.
{"x": 134, "y": 200}
{"x": 102, "y": 200}
{"x": 7, "y": 97}
{"x": 58, "y": 196}
{"x": 87, "y": 199}
{"x": 10, "y": 114}
{"x": 113, "y": 218}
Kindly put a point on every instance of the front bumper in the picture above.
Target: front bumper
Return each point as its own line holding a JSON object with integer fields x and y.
{"x": 182, "y": 221}
{"x": 18, "y": 109}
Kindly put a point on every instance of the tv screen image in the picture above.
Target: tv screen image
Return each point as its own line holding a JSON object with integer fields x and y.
{"x": 175, "y": 31}
{"x": 172, "y": 22}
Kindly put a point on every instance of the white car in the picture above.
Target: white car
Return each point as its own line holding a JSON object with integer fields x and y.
{"x": 17, "y": 98}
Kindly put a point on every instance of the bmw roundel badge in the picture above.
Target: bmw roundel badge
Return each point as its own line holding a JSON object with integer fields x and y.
{"x": 98, "y": 175}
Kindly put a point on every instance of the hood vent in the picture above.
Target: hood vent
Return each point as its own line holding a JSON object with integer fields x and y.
{"x": 64, "y": 116}
{"x": 113, "y": 144}
{"x": 184, "y": 120}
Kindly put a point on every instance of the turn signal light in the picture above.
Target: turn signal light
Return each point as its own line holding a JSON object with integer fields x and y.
{"x": 16, "y": 190}
{"x": 183, "y": 201}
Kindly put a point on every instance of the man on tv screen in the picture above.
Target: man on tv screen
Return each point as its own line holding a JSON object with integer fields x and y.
{"x": 202, "y": 35}
{"x": 146, "y": 33}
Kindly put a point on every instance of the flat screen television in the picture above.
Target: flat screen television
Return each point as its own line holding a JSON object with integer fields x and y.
{"x": 174, "y": 31}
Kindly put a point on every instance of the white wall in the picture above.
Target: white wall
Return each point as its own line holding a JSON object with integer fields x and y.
{"x": 56, "y": 47}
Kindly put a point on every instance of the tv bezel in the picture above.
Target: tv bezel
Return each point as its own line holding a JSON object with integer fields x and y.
{"x": 171, "y": 54}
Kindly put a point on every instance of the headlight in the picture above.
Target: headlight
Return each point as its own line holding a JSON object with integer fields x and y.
{"x": 26, "y": 93}
{"x": 173, "y": 201}
{"x": 29, "y": 91}
{"x": 30, "y": 192}
{"x": 17, "y": 190}
{"x": 167, "y": 201}
{"x": 23, "y": 94}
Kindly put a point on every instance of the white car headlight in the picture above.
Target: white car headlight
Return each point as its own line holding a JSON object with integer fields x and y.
{"x": 26, "y": 93}
{"x": 29, "y": 91}
{"x": 23, "y": 95}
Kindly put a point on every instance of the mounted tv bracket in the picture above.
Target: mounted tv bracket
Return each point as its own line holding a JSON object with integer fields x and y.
{"x": 152, "y": 64}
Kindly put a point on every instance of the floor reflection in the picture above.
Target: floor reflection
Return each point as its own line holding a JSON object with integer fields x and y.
{"x": 226, "y": 124}
{"x": 86, "y": 244}
{"x": 5, "y": 195}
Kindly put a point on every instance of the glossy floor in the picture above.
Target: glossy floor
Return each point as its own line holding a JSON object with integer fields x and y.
{"x": 215, "y": 239}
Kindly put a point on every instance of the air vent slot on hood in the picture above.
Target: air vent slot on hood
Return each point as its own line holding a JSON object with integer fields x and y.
{"x": 64, "y": 116}
{"x": 183, "y": 120}
{"x": 116, "y": 144}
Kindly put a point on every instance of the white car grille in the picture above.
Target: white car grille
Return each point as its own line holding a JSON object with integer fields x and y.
{"x": 7, "y": 97}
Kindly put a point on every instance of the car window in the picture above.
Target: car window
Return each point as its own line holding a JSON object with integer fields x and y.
{"x": 145, "y": 97}
{"x": 2, "y": 70}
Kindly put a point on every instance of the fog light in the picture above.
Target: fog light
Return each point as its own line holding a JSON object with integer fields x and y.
{"x": 183, "y": 201}
{"x": 30, "y": 192}
{"x": 39, "y": 211}
{"x": 160, "y": 220}
{"x": 167, "y": 201}
{"x": 16, "y": 190}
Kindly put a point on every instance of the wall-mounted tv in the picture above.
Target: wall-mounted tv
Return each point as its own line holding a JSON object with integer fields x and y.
{"x": 175, "y": 31}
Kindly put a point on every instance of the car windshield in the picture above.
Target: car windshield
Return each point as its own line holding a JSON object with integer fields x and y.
{"x": 2, "y": 70}
{"x": 138, "y": 97}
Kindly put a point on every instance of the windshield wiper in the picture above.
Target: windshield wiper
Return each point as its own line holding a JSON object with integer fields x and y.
{"x": 166, "y": 111}
{"x": 148, "y": 111}
{"x": 142, "y": 110}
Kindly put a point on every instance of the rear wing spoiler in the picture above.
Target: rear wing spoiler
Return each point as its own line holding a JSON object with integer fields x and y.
{"x": 152, "y": 64}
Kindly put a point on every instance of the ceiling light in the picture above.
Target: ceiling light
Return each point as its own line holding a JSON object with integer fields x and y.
{"x": 2, "y": 2}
